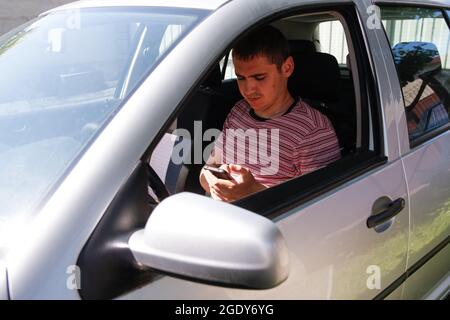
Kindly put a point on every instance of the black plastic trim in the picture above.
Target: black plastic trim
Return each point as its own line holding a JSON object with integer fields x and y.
{"x": 445, "y": 12}
{"x": 108, "y": 268}
{"x": 410, "y": 271}
{"x": 394, "y": 208}
{"x": 369, "y": 90}
{"x": 428, "y": 136}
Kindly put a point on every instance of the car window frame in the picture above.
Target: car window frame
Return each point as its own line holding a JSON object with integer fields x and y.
{"x": 331, "y": 176}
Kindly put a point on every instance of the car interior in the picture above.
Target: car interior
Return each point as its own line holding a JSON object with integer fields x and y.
{"x": 318, "y": 79}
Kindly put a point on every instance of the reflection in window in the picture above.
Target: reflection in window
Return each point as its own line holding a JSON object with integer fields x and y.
{"x": 425, "y": 114}
{"x": 172, "y": 33}
{"x": 420, "y": 46}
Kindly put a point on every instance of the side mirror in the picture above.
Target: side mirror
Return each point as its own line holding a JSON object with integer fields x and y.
{"x": 196, "y": 237}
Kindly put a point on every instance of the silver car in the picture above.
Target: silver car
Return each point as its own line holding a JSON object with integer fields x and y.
{"x": 108, "y": 108}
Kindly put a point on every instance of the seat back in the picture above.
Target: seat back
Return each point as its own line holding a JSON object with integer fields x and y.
{"x": 317, "y": 80}
{"x": 302, "y": 46}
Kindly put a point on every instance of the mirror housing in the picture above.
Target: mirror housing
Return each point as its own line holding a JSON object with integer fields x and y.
{"x": 416, "y": 60}
{"x": 193, "y": 236}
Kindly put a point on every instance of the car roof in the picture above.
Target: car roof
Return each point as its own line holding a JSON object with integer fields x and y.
{"x": 196, "y": 4}
{"x": 443, "y": 3}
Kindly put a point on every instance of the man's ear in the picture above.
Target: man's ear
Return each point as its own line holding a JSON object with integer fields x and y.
{"x": 288, "y": 67}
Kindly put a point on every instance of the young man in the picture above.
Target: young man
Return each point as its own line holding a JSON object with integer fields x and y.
{"x": 302, "y": 138}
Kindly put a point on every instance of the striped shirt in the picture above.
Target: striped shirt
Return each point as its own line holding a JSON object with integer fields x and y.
{"x": 274, "y": 150}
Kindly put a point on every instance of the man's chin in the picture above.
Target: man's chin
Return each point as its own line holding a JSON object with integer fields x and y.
{"x": 256, "y": 104}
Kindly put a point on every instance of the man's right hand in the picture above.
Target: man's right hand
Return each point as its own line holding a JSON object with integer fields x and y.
{"x": 244, "y": 184}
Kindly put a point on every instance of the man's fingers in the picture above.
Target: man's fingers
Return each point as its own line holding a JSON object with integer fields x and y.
{"x": 210, "y": 178}
{"x": 218, "y": 195}
{"x": 235, "y": 168}
{"x": 223, "y": 192}
{"x": 238, "y": 169}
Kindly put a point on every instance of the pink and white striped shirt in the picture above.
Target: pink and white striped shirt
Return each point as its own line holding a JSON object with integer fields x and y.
{"x": 275, "y": 150}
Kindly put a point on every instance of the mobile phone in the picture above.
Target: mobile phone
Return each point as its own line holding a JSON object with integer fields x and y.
{"x": 218, "y": 172}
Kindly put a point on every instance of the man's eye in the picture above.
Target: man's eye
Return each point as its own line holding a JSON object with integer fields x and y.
{"x": 260, "y": 78}
{"x": 240, "y": 78}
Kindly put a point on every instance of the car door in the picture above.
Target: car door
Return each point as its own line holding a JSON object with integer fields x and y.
{"x": 336, "y": 252}
{"x": 425, "y": 140}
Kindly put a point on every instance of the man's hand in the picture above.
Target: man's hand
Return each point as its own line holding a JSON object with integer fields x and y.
{"x": 241, "y": 186}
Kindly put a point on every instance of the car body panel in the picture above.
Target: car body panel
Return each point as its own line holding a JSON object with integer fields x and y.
{"x": 428, "y": 174}
{"x": 431, "y": 281}
{"x": 197, "y": 4}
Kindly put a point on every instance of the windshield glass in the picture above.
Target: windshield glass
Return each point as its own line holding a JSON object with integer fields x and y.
{"x": 62, "y": 78}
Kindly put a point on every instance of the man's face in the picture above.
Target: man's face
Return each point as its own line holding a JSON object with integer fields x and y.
{"x": 262, "y": 83}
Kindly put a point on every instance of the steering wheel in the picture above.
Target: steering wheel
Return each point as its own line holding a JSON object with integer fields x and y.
{"x": 155, "y": 183}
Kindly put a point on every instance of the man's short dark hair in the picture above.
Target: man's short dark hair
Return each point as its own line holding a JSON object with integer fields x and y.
{"x": 266, "y": 41}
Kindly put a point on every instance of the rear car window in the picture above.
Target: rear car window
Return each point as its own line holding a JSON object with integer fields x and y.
{"x": 419, "y": 39}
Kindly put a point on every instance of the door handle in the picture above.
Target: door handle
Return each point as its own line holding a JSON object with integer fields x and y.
{"x": 393, "y": 209}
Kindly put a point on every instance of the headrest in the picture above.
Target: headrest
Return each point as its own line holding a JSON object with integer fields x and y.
{"x": 316, "y": 76}
{"x": 301, "y": 46}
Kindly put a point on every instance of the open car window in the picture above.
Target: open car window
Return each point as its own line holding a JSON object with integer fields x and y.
{"x": 181, "y": 153}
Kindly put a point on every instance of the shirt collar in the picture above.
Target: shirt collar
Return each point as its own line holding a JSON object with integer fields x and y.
{"x": 258, "y": 118}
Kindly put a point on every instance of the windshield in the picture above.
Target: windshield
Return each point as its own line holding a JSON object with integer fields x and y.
{"x": 62, "y": 78}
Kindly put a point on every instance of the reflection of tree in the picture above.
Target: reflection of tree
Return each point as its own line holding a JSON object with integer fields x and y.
{"x": 414, "y": 14}
{"x": 412, "y": 61}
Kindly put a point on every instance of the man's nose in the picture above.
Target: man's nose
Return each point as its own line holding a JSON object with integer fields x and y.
{"x": 249, "y": 86}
